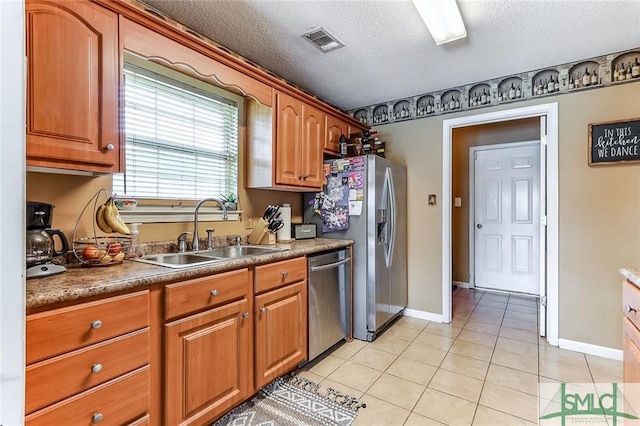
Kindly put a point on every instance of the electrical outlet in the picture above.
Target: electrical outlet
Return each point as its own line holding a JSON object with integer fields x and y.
{"x": 457, "y": 202}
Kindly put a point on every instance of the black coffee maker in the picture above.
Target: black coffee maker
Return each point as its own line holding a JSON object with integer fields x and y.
{"x": 40, "y": 244}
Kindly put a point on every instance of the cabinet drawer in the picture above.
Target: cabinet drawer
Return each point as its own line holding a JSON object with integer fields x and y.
{"x": 120, "y": 401}
{"x": 61, "y": 330}
{"x": 194, "y": 295}
{"x": 143, "y": 421}
{"x": 57, "y": 378}
{"x": 277, "y": 274}
{"x": 631, "y": 299}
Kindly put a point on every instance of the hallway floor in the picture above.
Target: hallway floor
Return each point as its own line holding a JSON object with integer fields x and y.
{"x": 483, "y": 369}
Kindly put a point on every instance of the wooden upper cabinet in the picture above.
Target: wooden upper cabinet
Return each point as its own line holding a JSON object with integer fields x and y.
{"x": 72, "y": 86}
{"x": 299, "y": 141}
{"x": 313, "y": 135}
{"x": 288, "y": 140}
{"x": 335, "y": 128}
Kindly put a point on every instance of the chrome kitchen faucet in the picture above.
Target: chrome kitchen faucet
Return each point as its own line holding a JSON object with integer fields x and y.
{"x": 195, "y": 243}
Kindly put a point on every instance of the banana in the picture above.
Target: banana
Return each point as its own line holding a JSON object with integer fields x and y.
{"x": 100, "y": 220}
{"x": 113, "y": 219}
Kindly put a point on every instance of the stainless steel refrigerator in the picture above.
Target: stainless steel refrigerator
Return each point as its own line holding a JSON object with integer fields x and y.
{"x": 376, "y": 189}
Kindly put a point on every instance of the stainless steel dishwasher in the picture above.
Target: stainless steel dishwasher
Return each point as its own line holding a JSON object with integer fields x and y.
{"x": 329, "y": 300}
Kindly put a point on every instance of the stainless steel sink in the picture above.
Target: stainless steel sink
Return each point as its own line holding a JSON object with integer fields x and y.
{"x": 237, "y": 251}
{"x": 203, "y": 257}
{"x": 178, "y": 260}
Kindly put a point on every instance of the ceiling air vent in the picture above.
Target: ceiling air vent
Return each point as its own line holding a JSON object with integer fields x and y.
{"x": 323, "y": 40}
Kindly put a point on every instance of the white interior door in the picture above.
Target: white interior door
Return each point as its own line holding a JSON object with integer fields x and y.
{"x": 507, "y": 218}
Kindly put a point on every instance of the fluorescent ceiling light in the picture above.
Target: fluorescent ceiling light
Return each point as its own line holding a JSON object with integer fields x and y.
{"x": 442, "y": 18}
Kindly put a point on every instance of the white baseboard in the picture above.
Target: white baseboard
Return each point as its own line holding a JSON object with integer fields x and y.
{"x": 588, "y": 348}
{"x": 429, "y": 316}
{"x": 462, "y": 284}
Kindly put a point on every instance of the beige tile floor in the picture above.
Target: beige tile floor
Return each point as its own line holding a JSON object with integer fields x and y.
{"x": 482, "y": 369}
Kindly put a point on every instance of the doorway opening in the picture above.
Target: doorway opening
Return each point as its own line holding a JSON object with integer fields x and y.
{"x": 538, "y": 123}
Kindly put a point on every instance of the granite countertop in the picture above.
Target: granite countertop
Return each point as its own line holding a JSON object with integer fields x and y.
{"x": 79, "y": 282}
{"x": 632, "y": 274}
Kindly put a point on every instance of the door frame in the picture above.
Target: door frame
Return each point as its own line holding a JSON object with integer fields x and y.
{"x": 12, "y": 221}
{"x": 472, "y": 196}
{"x": 550, "y": 111}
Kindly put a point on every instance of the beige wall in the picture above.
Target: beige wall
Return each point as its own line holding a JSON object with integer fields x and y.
{"x": 463, "y": 139}
{"x": 70, "y": 193}
{"x": 599, "y": 208}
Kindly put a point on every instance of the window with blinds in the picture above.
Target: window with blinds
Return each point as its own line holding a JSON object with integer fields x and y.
{"x": 181, "y": 141}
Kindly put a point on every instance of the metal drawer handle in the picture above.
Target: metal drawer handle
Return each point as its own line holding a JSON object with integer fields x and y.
{"x": 245, "y": 315}
{"x": 97, "y": 418}
{"x": 263, "y": 309}
{"x": 96, "y": 324}
{"x": 628, "y": 309}
{"x": 284, "y": 274}
{"x": 214, "y": 292}
{"x": 96, "y": 368}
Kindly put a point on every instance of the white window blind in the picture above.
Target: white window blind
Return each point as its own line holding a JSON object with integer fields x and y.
{"x": 181, "y": 141}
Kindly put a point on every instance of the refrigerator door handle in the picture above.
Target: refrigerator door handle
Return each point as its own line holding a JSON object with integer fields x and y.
{"x": 391, "y": 203}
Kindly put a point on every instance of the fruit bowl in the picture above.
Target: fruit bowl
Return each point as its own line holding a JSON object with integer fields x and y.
{"x": 101, "y": 250}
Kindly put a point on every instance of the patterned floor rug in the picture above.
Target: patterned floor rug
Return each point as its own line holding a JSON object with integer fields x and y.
{"x": 293, "y": 400}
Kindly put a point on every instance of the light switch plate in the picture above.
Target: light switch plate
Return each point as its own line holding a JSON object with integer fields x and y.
{"x": 457, "y": 202}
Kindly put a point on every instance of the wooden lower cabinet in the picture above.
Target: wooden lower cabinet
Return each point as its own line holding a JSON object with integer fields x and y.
{"x": 281, "y": 331}
{"x": 631, "y": 348}
{"x": 631, "y": 344}
{"x": 120, "y": 401}
{"x": 207, "y": 364}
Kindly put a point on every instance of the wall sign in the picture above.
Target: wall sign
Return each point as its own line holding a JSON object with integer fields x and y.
{"x": 614, "y": 142}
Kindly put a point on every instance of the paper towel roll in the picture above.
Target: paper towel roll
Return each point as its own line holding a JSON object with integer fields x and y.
{"x": 284, "y": 234}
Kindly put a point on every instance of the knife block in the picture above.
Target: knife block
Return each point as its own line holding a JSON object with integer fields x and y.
{"x": 261, "y": 234}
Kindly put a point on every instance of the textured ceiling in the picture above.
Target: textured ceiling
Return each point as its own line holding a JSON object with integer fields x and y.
{"x": 390, "y": 54}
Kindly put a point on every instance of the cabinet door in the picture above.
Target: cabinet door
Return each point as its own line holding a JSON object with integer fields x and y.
{"x": 335, "y": 128}
{"x": 207, "y": 364}
{"x": 631, "y": 349}
{"x": 288, "y": 140}
{"x": 72, "y": 86}
{"x": 631, "y": 362}
{"x": 281, "y": 331}
{"x": 313, "y": 136}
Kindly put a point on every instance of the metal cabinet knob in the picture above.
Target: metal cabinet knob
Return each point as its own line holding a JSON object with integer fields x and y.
{"x": 96, "y": 368}
{"x": 214, "y": 292}
{"x": 479, "y": 226}
{"x": 96, "y": 324}
{"x": 109, "y": 147}
{"x": 284, "y": 274}
{"x": 263, "y": 309}
{"x": 245, "y": 315}
{"x": 97, "y": 418}
{"x": 629, "y": 309}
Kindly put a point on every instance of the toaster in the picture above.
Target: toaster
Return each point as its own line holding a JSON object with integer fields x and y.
{"x": 303, "y": 231}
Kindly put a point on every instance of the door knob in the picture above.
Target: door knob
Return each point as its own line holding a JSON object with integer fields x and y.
{"x": 109, "y": 147}
{"x": 479, "y": 226}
